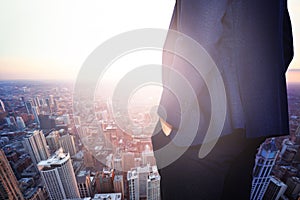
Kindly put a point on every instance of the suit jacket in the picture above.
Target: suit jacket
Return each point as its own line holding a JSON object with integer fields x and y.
{"x": 251, "y": 43}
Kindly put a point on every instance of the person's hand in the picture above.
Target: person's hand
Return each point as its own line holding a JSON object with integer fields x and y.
{"x": 166, "y": 128}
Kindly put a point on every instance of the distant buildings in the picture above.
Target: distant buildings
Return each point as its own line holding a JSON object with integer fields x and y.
{"x": 265, "y": 160}
{"x": 9, "y": 188}
{"x": 84, "y": 184}
{"x": 68, "y": 144}
{"x": 144, "y": 183}
{"x": 59, "y": 177}
{"x": 35, "y": 143}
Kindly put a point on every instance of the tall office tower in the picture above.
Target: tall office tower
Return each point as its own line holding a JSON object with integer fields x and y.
{"x": 104, "y": 181}
{"x": 36, "y": 112}
{"x": 37, "y": 101}
{"x": 264, "y": 162}
{"x": 133, "y": 185}
{"x": 35, "y": 143}
{"x": 293, "y": 188}
{"x": 127, "y": 161}
{"x": 68, "y": 144}
{"x": 59, "y": 177}
{"x": 20, "y": 123}
{"x": 28, "y": 106}
{"x": 153, "y": 185}
{"x": 53, "y": 141}
{"x": 84, "y": 184}
{"x": 119, "y": 185}
{"x": 48, "y": 104}
{"x": 143, "y": 173}
{"x": 2, "y": 106}
{"x": 275, "y": 189}
{"x": 9, "y": 188}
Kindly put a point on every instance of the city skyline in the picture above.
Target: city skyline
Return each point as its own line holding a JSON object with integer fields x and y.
{"x": 53, "y": 40}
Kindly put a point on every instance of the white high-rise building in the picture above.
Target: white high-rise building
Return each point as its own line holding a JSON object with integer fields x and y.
{"x": 59, "y": 177}
{"x": 20, "y": 123}
{"x": 68, "y": 144}
{"x": 133, "y": 185}
{"x": 265, "y": 160}
{"x": 153, "y": 185}
{"x": 2, "y": 105}
{"x": 35, "y": 143}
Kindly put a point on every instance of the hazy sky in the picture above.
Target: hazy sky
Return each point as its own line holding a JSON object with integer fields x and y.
{"x": 51, "y": 39}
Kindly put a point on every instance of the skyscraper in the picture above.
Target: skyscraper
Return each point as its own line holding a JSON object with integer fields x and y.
{"x": 53, "y": 140}
{"x": 59, "y": 177}
{"x": 265, "y": 160}
{"x": 153, "y": 185}
{"x": 2, "y": 106}
{"x": 20, "y": 123}
{"x": 9, "y": 188}
{"x": 119, "y": 185}
{"x": 133, "y": 185}
{"x": 275, "y": 189}
{"x": 36, "y": 112}
{"x": 84, "y": 184}
{"x": 35, "y": 143}
{"x": 68, "y": 144}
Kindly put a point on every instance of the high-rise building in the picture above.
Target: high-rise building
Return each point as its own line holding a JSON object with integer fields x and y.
{"x": 265, "y": 160}
{"x": 36, "y": 112}
{"x": 9, "y": 188}
{"x": 28, "y": 106}
{"x": 68, "y": 144}
{"x": 153, "y": 185}
{"x": 2, "y": 106}
{"x": 133, "y": 185}
{"x": 143, "y": 173}
{"x": 84, "y": 184}
{"x": 119, "y": 185}
{"x": 20, "y": 123}
{"x": 104, "y": 181}
{"x": 53, "y": 141}
{"x": 59, "y": 177}
{"x": 275, "y": 189}
{"x": 35, "y": 143}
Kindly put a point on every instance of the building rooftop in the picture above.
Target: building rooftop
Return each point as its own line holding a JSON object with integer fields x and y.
{"x": 109, "y": 196}
{"x": 56, "y": 160}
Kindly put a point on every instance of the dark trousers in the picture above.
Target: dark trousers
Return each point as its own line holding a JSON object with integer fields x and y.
{"x": 225, "y": 173}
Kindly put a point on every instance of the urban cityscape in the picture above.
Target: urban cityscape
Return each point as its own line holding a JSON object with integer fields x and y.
{"x": 53, "y": 148}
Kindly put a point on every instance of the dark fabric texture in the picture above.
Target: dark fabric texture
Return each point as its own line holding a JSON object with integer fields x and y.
{"x": 225, "y": 173}
{"x": 251, "y": 43}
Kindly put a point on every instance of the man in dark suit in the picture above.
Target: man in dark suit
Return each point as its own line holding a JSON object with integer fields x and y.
{"x": 251, "y": 44}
